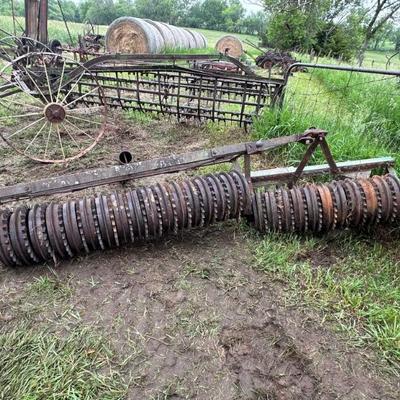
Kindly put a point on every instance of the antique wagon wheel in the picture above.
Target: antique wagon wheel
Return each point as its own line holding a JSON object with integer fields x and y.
{"x": 51, "y": 108}
{"x": 14, "y": 46}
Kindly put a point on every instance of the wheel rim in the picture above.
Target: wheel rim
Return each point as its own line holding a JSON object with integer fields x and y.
{"x": 13, "y": 46}
{"x": 51, "y": 108}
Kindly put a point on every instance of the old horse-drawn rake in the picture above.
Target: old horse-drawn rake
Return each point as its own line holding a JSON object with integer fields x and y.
{"x": 54, "y": 109}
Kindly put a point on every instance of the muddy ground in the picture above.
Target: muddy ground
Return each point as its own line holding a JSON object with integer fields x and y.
{"x": 190, "y": 318}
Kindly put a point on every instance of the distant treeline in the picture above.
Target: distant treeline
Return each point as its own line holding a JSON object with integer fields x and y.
{"x": 223, "y": 15}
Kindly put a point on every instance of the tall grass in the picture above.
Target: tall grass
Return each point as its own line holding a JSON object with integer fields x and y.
{"x": 360, "y": 112}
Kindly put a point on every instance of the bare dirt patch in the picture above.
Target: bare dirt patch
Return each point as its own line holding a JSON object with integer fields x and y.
{"x": 191, "y": 319}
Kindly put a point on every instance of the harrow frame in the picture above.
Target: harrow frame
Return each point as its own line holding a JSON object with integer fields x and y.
{"x": 311, "y": 138}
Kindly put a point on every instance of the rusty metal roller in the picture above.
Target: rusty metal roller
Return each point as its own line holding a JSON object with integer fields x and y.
{"x": 80, "y": 226}
{"x": 324, "y": 207}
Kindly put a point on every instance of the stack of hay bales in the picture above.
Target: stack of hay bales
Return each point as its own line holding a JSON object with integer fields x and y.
{"x": 131, "y": 35}
{"x": 230, "y": 45}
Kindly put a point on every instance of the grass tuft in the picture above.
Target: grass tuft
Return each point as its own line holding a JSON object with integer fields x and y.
{"x": 39, "y": 365}
{"x": 353, "y": 281}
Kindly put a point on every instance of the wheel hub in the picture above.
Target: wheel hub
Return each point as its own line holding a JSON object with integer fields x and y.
{"x": 55, "y": 113}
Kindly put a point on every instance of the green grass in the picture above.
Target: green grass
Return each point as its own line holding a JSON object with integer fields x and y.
{"x": 360, "y": 112}
{"x": 352, "y": 280}
{"x": 39, "y": 365}
{"x": 49, "y": 288}
{"x": 379, "y": 59}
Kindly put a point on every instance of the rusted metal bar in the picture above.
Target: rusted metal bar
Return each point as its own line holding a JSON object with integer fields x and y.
{"x": 341, "y": 68}
{"x": 118, "y": 173}
{"x": 346, "y": 168}
{"x": 172, "y": 58}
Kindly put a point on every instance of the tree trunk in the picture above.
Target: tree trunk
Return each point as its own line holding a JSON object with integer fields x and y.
{"x": 362, "y": 52}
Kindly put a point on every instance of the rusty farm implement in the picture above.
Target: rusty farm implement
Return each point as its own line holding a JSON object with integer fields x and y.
{"x": 55, "y": 109}
{"x": 53, "y": 231}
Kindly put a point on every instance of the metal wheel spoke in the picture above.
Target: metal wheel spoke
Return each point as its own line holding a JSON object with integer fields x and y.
{"x": 45, "y": 105}
{"x": 20, "y": 116}
{"x": 72, "y": 138}
{"x": 36, "y": 86}
{"x": 72, "y": 87}
{"x": 48, "y": 81}
{"x": 60, "y": 140}
{"x": 82, "y": 97}
{"x": 48, "y": 140}
{"x": 36, "y": 136}
{"x": 79, "y": 129}
{"x": 4, "y": 51}
{"x": 24, "y": 128}
{"x": 85, "y": 120}
{"x": 61, "y": 79}
{"x": 21, "y": 104}
{"x": 20, "y": 88}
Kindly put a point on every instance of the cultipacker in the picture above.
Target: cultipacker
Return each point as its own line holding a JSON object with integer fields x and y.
{"x": 271, "y": 200}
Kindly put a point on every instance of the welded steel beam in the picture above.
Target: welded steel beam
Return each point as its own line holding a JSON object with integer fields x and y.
{"x": 118, "y": 173}
{"x": 345, "y": 168}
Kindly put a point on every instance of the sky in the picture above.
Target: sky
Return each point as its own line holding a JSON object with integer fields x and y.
{"x": 250, "y": 6}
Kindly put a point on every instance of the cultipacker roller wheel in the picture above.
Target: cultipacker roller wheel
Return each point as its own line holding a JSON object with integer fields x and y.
{"x": 51, "y": 107}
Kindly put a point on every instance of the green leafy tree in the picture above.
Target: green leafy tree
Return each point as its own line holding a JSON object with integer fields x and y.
{"x": 233, "y": 15}
{"x": 290, "y": 30}
{"x": 212, "y": 14}
{"x": 171, "y": 11}
{"x": 339, "y": 40}
{"x": 124, "y": 8}
{"x": 395, "y": 37}
{"x": 101, "y": 12}
{"x": 193, "y": 17}
{"x": 376, "y": 14}
{"x": 255, "y": 24}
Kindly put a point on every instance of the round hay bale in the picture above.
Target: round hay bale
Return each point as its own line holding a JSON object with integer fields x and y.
{"x": 189, "y": 38}
{"x": 165, "y": 32}
{"x": 230, "y": 45}
{"x": 185, "y": 37}
{"x": 204, "y": 39}
{"x": 180, "y": 40}
{"x": 196, "y": 38}
{"x": 133, "y": 35}
{"x": 201, "y": 39}
{"x": 171, "y": 31}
